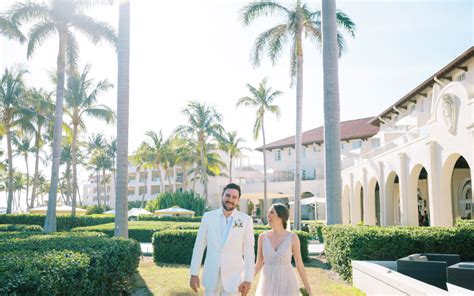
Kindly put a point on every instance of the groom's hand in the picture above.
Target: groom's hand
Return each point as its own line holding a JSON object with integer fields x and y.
{"x": 194, "y": 283}
{"x": 244, "y": 288}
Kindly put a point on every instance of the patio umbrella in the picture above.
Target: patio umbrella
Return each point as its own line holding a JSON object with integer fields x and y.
{"x": 174, "y": 211}
{"x": 138, "y": 211}
{"x": 60, "y": 210}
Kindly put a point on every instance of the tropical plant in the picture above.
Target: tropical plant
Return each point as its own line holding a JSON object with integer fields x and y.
{"x": 144, "y": 158}
{"x": 66, "y": 158}
{"x": 10, "y": 30}
{"x": 42, "y": 122}
{"x": 231, "y": 145}
{"x": 203, "y": 122}
{"x": 121, "y": 212}
{"x": 263, "y": 99}
{"x": 23, "y": 149}
{"x": 96, "y": 149}
{"x": 81, "y": 102}
{"x": 59, "y": 17}
{"x": 299, "y": 21}
{"x": 12, "y": 109}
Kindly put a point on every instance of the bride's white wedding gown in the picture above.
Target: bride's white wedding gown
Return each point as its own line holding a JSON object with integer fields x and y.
{"x": 278, "y": 277}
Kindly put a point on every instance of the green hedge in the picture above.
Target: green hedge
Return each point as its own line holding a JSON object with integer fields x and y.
{"x": 465, "y": 223}
{"x": 141, "y": 231}
{"x": 20, "y": 227}
{"x": 169, "y": 218}
{"x": 315, "y": 229}
{"x": 176, "y": 246}
{"x": 345, "y": 243}
{"x": 64, "y": 223}
{"x": 65, "y": 263}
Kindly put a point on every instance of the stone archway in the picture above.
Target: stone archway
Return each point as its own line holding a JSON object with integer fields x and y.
{"x": 392, "y": 205}
{"x": 358, "y": 203}
{"x": 373, "y": 210}
{"x": 418, "y": 197}
{"x": 456, "y": 187}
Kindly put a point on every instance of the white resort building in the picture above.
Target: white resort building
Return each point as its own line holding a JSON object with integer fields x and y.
{"x": 422, "y": 171}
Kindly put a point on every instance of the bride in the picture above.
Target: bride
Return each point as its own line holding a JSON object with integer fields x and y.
{"x": 275, "y": 249}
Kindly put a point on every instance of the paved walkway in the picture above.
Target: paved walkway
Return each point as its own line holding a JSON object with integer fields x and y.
{"x": 314, "y": 249}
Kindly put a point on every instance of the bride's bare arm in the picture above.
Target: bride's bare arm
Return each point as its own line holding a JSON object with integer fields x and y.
{"x": 259, "y": 264}
{"x": 299, "y": 262}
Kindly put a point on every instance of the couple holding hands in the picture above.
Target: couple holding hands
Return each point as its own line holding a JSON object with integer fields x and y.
{"x": 230, "y": 267}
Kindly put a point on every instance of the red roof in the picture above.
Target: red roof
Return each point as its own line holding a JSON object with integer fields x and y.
{"x": 351, "y": 129}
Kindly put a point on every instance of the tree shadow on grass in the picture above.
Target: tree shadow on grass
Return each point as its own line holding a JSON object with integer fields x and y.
{"x": 140, "y": 287}
{"x": 318, "y": 262}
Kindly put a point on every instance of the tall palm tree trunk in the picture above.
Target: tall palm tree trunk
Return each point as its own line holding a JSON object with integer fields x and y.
{"x": 74, "y": 169}
{"x": 299, "y": 120}
{"x": 35, "y": 177}
{"x": 230, "y": 169}
{"x": 263, "y": 214}
{"x": 121, "y": 219}
{"x": 98, "y": 188}
{"x": 50, "y": 221}
{"x": 27, "y": 181}
{"x": 143, "y": 196}
{"x": 203, "y": 170}
{"x": 10, "y": 169}
{"x": 68, "y": 184}
{"x": 105, "y": 189}
{"x": 332, "y": 152}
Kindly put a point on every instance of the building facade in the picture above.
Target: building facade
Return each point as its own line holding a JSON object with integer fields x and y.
{"x": 421, "y": 174}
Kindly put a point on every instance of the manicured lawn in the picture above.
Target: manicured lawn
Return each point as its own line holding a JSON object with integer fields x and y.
{"x": 170, "y": 279}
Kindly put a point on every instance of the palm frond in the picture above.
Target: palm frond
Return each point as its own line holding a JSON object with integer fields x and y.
{"x": 95, "y": 30}
{"x": 72, "y": 50}
{"x": 28, "y": 11}
{"x": 346, "y": 23}
{"x": 260, "y": 8}
{"x": 273, "y": 38}
{"x": 101, "y": 112}
{"x": 38, "y": 34}
{"x": 10, "y": 30}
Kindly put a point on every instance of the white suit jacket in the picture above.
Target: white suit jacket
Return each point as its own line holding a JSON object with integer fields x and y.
{"x": 235, "y": 257}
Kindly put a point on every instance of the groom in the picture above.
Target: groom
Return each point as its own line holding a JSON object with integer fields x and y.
{"x": 228, "y": 235}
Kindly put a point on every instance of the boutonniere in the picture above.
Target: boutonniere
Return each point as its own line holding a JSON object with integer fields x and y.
{"x": 237, "y": 223}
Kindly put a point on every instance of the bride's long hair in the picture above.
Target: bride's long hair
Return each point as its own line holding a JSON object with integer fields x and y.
{"x": 282, "y": 212}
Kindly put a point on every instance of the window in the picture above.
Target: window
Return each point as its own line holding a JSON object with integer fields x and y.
{"x": 375, "y": 143}
{"x": 278, "y": 155}
{"x": 356, "y": 144}
{"x": 303, "y": 174}
{"x": 342, "y": 146}
{"x": 303, "y": 149}
{"x": 461, "y": 77}
{"x": 315, "y": 148}
{"x": 289, "y": 152}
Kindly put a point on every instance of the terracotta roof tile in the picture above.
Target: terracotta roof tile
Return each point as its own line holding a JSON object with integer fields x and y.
{"x": 351, "y": 129}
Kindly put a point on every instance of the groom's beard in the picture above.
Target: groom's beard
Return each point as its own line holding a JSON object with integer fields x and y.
{"x": 228, "y": 206}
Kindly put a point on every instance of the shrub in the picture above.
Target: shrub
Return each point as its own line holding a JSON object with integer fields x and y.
{"x": 95, "y": 209}
{"x": 315, "y": 229}
{"x": 345, "y": 243}
{"x": 64, "y": 223}
{"x": 169, "y": 218}
{"x": 141, "y": 231}
{"x": 176, "y": 246}
{"x": 465, "y": 223}
{"x": 20, "y": 227}
{"x": 86, "y": 263}
{"x": 187, "y": 200}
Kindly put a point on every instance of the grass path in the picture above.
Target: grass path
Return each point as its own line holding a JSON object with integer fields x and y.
{"x": 173, "y": 280}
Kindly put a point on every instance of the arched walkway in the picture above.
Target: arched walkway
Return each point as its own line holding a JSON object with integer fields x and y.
{"x": 358, "y": 204}
{"x": 346, "y": 206}
{"x": 373, "y": 210}
{"x": 392, "y": 193}
{"x": 418, "y": 203}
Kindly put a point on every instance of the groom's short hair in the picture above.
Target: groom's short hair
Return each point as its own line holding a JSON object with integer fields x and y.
{"x": 232, "y": 186}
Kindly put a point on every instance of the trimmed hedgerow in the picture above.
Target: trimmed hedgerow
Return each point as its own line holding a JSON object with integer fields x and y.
{"x": 169, "y": 218}
{"x": 64, "y": 223}
{"x": 141, "y": 231}
{"x": 344, "y": 243}
{"x": 176, "y": 246}
{"x": 95, "y": 264}
{"x": 44, "y": 273}
{"x": 20, "y": 227}
{"x": 465, "y": 223}
{"x": 315, "y": 229}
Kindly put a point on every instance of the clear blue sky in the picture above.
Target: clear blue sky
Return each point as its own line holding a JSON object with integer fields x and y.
{"x": 198, "y": 50}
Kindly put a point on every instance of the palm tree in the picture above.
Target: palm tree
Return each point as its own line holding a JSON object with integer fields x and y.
{"x": 10, "y": 30}
{"x": 215, "y": 167}
{"x": 203, "y": 122}
{"x": 332, "y": 149}
{"x": 231, "y": 145}
{"x": 24, "y": 148}
{"x": 263, "y": 99}
{"x": 96, "y": 148}
{"x": 66, "y": 158}
{"x": 121, "y": 202}
{"x": 144, "y": 158}
{"x": 59, "y": 16}
{"x": 81, "y": 98}
{"x": 299, "y": 21}
{"x": 12, "y": 109}
{"x": 42, "y": 107}
{"x": 186, "y": 156}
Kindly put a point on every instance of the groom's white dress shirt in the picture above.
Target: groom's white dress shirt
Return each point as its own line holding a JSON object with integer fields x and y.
{"x": 230, "y": 257}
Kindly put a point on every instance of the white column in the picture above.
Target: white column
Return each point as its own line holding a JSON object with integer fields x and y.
{"x": 383, "y": 202}
{"x": 148, "y": 183}
{"x": 137, "y": 182}
{"x": 366, "y": 204}
{"x": 437, "y": 205}
{"x": 352, "y": 199}
{"x": 403, "y": 183}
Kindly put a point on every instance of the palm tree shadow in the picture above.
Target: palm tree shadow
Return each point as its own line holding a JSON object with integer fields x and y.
{"x": 317, "y": 262}
{"x": 140, "y": 286}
